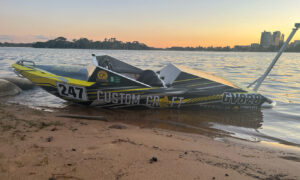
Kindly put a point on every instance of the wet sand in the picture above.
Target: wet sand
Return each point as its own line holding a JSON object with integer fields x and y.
{"x": 35, "y": 144}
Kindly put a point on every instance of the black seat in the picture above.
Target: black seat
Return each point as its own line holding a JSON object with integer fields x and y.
{"x": 149, "y": 77}
{"x": 117, "y": 65}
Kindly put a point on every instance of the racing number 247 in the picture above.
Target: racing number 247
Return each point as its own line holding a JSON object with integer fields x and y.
{"x": 74, "y": 92}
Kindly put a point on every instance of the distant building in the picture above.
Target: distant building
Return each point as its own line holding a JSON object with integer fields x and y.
{"x": 254, "y": 46}
{"x": 241, "y": 48}
{"x": 281, "y": 39}
{"x": 276, "y": 38}
{"x": 112, "y": 40}
{"x": 295, "y": 43}
{"x": 268, "y": 39}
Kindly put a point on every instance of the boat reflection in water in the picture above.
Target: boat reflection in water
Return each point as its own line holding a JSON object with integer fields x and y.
{"x": 186, "y": 120}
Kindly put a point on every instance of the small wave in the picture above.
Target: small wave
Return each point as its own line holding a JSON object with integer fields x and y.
{"x": 280, "y": 75}
{"x": 252, "y": 134}
{"x": 268, "y": 106}
{"x": 234, "y": 67}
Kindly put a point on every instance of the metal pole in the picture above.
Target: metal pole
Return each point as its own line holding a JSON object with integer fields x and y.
{"x": 262, "y": 78}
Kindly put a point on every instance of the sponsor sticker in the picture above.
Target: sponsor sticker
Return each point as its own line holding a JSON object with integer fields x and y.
{"x": 102, "y": 75}
{"x": 114, "y": 79}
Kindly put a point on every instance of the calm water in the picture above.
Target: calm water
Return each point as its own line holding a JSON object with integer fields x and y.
{"x": 280, "y": 124}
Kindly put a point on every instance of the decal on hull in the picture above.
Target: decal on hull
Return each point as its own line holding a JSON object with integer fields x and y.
{"x": 73, "y": 92}
{"x": 104, "y": 97}
{"x": 242, "y": 98}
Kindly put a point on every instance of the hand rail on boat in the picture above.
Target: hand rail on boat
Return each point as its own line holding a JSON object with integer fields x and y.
{"x": 21, "y": 62}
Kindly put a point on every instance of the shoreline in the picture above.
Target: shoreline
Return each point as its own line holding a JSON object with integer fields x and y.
{"x": 35, "y": 144}
{"x": 167, "y": 50}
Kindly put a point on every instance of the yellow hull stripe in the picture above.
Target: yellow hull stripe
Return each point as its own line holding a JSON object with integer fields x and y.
{"x": 200, "y": 84}
{"x": 187, "y": 80}
{"x": 39, "y": 77}
{"x": 139, "y": 89}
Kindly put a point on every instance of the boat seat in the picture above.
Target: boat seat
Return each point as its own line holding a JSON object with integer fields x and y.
{"x": 150, "y": 77}
{"x": 117, "y": 65}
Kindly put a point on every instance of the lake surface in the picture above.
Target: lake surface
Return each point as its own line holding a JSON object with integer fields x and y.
{"x": 279, "y": 124}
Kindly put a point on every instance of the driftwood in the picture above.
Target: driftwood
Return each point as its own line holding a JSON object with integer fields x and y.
{"x": 101, "y": 118}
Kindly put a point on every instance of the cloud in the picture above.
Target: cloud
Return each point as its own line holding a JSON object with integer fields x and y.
{"x": 23, "y": 38}
{"x": 6, "y": 38}
{"x": 41, "y": 37}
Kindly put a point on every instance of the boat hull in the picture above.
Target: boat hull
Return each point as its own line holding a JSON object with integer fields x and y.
{"x": 180, "y": 96}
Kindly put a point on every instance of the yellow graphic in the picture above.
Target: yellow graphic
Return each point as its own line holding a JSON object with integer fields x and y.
{"x": 200, "y": 99}
{"x": 43, "y": 78}
{"x": 164, "y": 102}
{"x": 235, "y": 107}
{"x": 102, "y": 75}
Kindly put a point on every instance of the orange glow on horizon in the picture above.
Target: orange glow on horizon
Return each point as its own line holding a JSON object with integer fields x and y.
{"x": 164, "y": 41}
{"x": 156, "y": 23}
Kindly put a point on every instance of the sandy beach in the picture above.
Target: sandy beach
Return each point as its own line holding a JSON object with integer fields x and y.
{"x": 36, "y": 144}
{"x": 149, "y": 90}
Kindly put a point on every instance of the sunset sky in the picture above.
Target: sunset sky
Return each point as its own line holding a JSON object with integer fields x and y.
{"x": 157, "y": 23}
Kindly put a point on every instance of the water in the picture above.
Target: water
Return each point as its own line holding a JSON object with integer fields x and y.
{"x": 279, "y": 124}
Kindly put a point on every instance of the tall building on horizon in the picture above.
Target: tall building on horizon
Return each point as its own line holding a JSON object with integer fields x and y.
{"x": 268, "y": 39}
{"x": 276, "y": 38}
{"x": 281, "y": 39}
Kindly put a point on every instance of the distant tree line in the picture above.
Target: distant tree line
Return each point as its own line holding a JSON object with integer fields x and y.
{"x": 84, "y": 43}
{"x": 200, "y": 48}
{"x": 6, "y": 44}
{"x": 236, "y": 48}
{"x": 113, "y": 43}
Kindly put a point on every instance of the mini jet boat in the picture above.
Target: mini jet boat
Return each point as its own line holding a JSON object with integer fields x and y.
{"x": 108, "y": 82}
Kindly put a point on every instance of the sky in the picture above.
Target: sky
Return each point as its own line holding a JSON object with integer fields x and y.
{"x": 157, "y": 23}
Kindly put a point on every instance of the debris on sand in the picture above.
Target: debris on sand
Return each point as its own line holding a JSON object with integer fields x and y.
{"x": 117, "y": 126}
{"x": 155, "y": 147}
{"x": 49, "y": 139}
{"x": 153, "y": 159}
